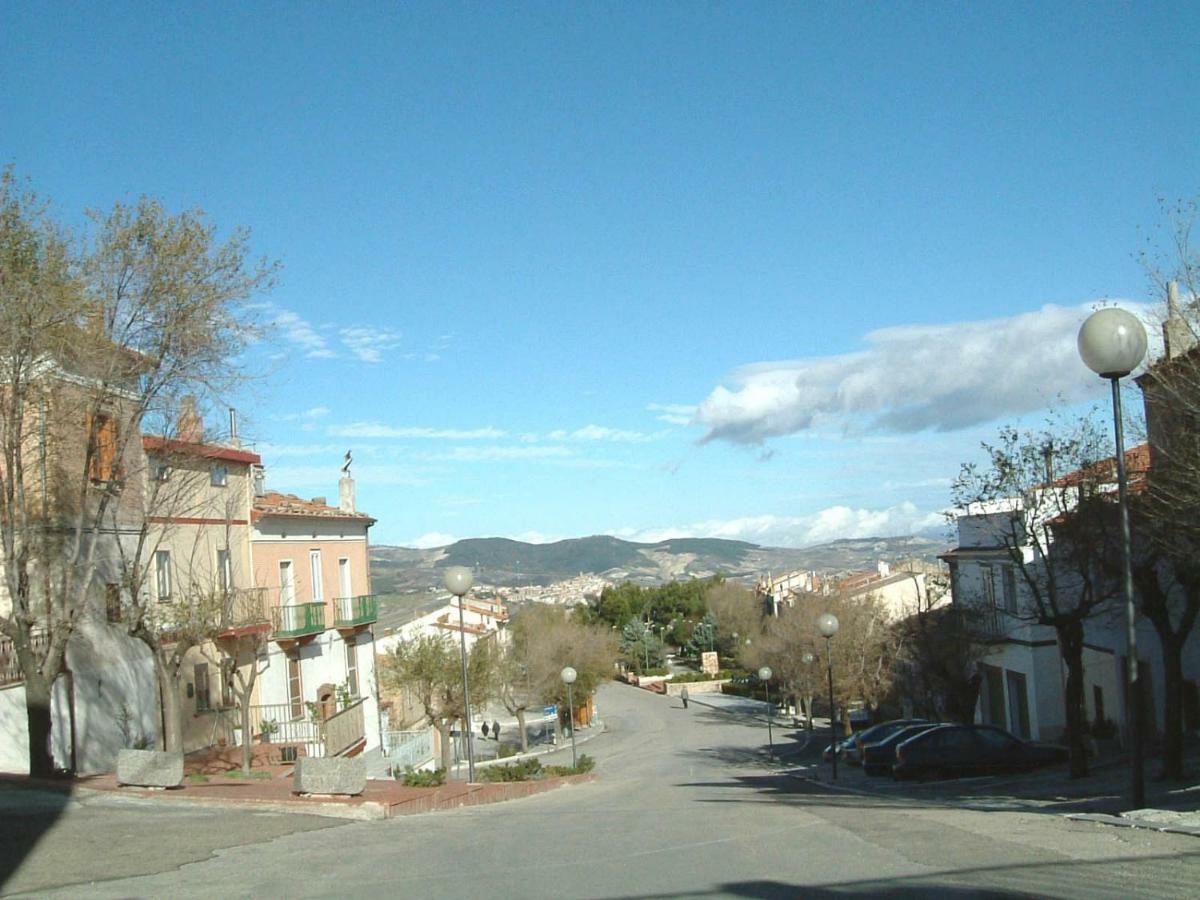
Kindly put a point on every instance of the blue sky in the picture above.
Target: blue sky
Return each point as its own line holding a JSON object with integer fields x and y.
{"x": 748, "y": 270}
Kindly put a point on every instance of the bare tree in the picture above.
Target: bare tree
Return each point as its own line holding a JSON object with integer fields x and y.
{"x": 104, "y": 334}
{"x": 1052, "y": 531}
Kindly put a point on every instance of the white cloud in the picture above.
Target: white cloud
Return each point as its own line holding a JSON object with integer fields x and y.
{"x": 323, "y": 479}
{"x": 279, "y": 451}
{"x": 673, "y": 413}
{"x": 534, "y": 537}
{"x": 911, "y": 378}
{"x": 430, "y": 540}
{"x": 481, "y": 454}
{"x": 368, "y": 344}
{"x": 833, "y": 523}
{"x": 315, "y": 412}
{"x": 377, "y": 430}
{"x": 601, "y": 433}
{"x": 299, "y": 332}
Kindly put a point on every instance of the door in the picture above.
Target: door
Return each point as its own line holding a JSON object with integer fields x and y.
{"x": 1018, "y": 704}
{"x": 993, "y": 697}
{"x": 287, "y": 584}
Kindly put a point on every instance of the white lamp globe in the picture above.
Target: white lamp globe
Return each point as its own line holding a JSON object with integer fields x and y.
{"x": 1112, "y": 342}
{"x": 458, "y": 580}
{"x": 765, "y": 673}
{"x": 568, "y": 675}
{"x": 827, "y": 624}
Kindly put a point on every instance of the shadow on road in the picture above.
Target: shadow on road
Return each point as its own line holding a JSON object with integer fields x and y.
{"x": 27, "y": 812}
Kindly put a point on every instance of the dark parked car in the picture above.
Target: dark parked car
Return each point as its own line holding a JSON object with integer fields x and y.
{"x": 842, "y": 745}
{"x": 954, "y": 750}
{"x": 856, "y": 741}
{"x": 879, "y": 756}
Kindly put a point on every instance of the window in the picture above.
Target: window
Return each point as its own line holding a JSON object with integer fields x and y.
{"x": 224, "y": 571}
{"x": 989, "y": 584}
{"x": 352, "y": 666}
{"x": 200, "y": 676}
{"x": 1010, "y": 589}
{"x": 112, "y": 603}
{"x": 227, "y": 699}
{"x": 344, "y": 578}
{"x": 295, "y": 687}
{"x": 314, "y": 564}
{"x": 102, "y": 448}
{"x": 161, "y": 471}
{"x": 218, "y": 475}
{"x": 162, "y": 574}
{"x": 287, "y": 583}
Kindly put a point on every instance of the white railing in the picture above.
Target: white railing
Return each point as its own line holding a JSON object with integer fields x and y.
{"x": 288, "y": 729}
{"x": 408, "y": 748}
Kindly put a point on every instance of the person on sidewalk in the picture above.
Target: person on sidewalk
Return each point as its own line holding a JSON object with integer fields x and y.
{"x": 683, "y": 695}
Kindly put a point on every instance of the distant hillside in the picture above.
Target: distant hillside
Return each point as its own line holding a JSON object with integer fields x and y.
{"x": 502, "y": 561}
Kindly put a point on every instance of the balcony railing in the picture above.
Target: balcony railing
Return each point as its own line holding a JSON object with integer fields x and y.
{"x": 10, "y": 666}
{"x": 351, "y": 611}
{"x": 298, "y": 620}
{"x": 245, "y": 608}
{"x": 344, "y": 729}
{"x": 287, "y": 726}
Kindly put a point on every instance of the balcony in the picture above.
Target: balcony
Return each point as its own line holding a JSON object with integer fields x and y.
{"x": 297, "y": 621}
{"x": 352, "y": 612}
{"x": 245, "y": 611}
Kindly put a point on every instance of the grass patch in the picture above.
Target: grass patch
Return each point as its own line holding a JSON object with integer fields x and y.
{"x": 198, "y": 778}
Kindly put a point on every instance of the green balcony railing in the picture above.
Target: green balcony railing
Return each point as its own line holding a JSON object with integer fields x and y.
{"x": 298, "y": 620}
{"x": 350, "y": 611}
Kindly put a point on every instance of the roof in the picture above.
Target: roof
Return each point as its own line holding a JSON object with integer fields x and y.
{"x": 1137, "y": 467}
{"x": 275, "y": 504}
{"x": 207, "y": 451}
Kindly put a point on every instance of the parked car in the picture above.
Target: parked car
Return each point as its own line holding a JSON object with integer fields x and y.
{"x": 875, "y": 733}
{"x": 842, "y": 745}
{"x": 954, "y": 750}
{"x": 879, "y": 756}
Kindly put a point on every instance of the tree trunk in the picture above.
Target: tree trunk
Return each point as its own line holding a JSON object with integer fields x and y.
{"x": 172, "y": 708}
{"x": 247, "y": 743}
{"x": 521, "y": 728}
{"x": 443, "y": 727}
{"x": 1070, "y": 645}
{"x": 38, "y": 692}
{"x": 1172, "y": 650}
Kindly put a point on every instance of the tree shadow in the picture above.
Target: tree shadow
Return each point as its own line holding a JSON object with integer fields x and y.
{"x": 27, "y": 812}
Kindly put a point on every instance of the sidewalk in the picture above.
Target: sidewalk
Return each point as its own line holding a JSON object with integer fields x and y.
{"x": 216, "y": 781}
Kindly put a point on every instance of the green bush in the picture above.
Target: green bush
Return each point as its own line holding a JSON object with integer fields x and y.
{"x": 688, "y": 677}
{"x": 507, "y": 750}
{"x": 583, "y": 765}
{"x": 422, "y": 778}
{"x": 197, "y": 778}
{"x": 526, "y": 770}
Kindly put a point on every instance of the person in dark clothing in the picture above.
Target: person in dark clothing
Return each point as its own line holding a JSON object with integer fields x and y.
{"x": 683, "y": 695}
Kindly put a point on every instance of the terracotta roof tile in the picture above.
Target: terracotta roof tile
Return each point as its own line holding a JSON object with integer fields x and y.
{"x": 273, "y": 503}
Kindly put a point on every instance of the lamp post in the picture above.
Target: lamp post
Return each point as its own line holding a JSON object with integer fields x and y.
{"x": 1112, "y": 343}
{"x": 764, "y": 675}
{"x": 827, "y": 624}
{"x": 568, "y": 675}
{"x": 458, "y": 580}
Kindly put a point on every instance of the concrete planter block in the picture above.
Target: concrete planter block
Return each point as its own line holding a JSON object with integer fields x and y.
{"x": 334, "y": 775}
{"x": 150, "y": 768}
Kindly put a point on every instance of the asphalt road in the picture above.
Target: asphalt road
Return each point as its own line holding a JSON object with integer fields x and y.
{"x": 686, "y": 805}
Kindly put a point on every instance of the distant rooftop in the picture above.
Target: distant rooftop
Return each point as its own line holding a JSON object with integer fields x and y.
{"x": 273, "y": 503}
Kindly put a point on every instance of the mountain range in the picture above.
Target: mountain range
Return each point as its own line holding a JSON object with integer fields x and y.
{"x": 500, "y": 561}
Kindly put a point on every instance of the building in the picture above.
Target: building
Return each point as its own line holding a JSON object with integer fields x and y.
{"x": 318, "y": 684}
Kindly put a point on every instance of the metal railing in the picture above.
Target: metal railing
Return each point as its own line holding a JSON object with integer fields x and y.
{"x": 245, "y": 607}
{"x": 287, "y": 727}
{"x": 349, "y": 611}
{"x": 10, "y": 666}
{"x": 298, "y": 619}
{"x": 408, "y": 748}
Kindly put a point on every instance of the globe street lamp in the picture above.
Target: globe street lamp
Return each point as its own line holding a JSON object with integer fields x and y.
{"x": 764, "y": 675}
{"x": 458, "y": 580}
{"x": 827, "y": 624}
{"x": 568, "y": 675}
{"x": 1112, "y": 343}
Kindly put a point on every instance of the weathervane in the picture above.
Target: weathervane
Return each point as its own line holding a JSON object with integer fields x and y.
{"x": 346, "y": 465}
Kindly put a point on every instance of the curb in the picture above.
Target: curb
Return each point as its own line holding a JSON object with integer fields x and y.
{"x": 1133, "y": 822}
{"x": 367, "y": 810}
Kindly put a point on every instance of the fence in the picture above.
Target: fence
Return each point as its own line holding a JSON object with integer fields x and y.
{"x": 344, "y": 729}
{"x": 408, "y": 748}
{"x": 10, "y": 666}
{"x": 287, "y": 728}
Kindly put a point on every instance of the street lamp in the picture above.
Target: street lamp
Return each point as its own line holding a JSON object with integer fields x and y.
{"x": 764, "y": 675}
{"x": 1112, "y": 343}
{"x": 827, "y": 624}
{"x": 568, "y": 675}
{"x": 458, "y": 580}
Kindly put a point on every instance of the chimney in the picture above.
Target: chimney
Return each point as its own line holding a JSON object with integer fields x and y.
{"x": 346, "y": 493}
{"x": 191, "y": 426}
{"x": 318, "y": 501}
{"x": 1048, "y": 461}
{"x": 1177, "y": 336}
{"x": 233, "y": 435}
{"x": 884, "y": 569}
{"x": 260, "y": 481}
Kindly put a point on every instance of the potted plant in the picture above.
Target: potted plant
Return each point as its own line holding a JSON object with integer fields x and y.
{"x": 267, "y": 727}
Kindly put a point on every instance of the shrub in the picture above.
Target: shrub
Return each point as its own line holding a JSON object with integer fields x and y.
{"x": 724, "y": 674}
{"x": 197, "y": 778}
{"x": 507, "y": 750}
{"x": 422, "y": 778}
{"x": 583, "y": 765}
{"x": 523, "y": 771}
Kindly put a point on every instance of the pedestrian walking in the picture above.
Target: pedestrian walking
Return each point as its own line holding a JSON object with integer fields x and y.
{"x": 683, "y": 696}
